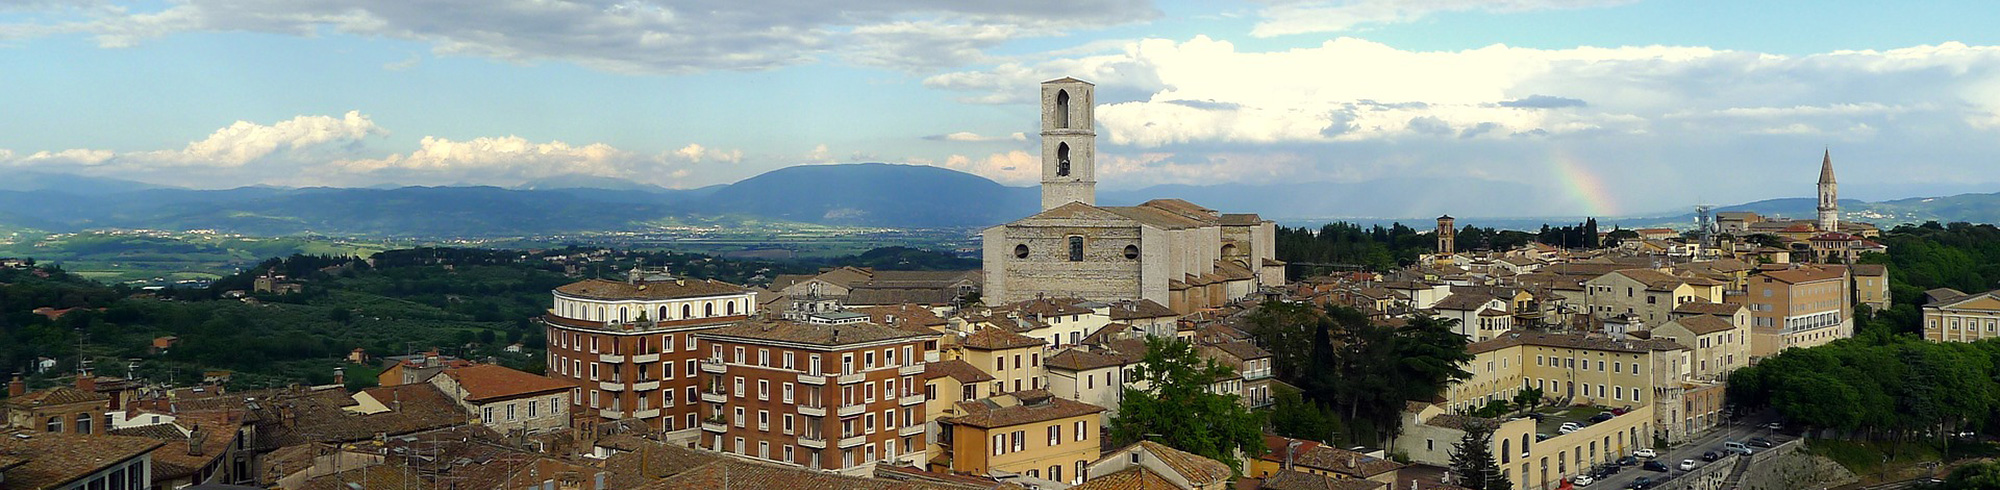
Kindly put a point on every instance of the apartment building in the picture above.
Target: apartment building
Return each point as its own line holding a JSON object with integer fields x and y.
{"x": 1527, "y": 458}
{"x": 507, "y": 400}
{"x": 1578, "y": 369}
{"x": 1717, "y": 346}
{"x": 1952, "y": 316}
{"x": 1252, "y": 365}
{"x": 820, "y": 396}
{"x": 629, "y": 347}
{"x": 1871, "y": 285}
{"x": 1029, "y": 433}
{"x": 1014, "y": 360}
{"x": 1648, "y": 294}
{"x": 1799, "y": 307}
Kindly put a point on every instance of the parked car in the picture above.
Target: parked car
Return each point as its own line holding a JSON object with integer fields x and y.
{"x": 1642, "y": 483}
{"x": 1628, "y": 461}
{"x": 1647, "y": 453}
{"x": 1775, "y": 426}
{"x": 1655, "y": 466}
{"x": 1736, "y": 447}
{"x": 1687, "y": 464}
{"x": 1619, "y": 410}
{"x": 1541, "y": 436}
{"x": 1762, "y": 442}
{"x": 1568, "y": 427}
{"x": 1711, "y": 456}
{"x": 1607, "y": 469}
{"x": 1582, "y": 480}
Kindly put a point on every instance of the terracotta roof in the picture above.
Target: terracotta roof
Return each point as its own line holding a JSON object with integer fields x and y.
{"x": 1707, "y": 308}
{"x": 53, "y": 460}
{"x": 487, "y": 382}
{"x": 1195, "y": 468}
{"x": 1243, "y": 350}
{"x": 651, "y": 461}
{"x": 1572, "y": 341}
{"x": 1136, "y": 309}
{"x": 871, "y": 295}
{"x": 1240, "y": 219}
{"x": 1044, "y": 307}
{"x": 318, "y": 415}
{"x": 1298, "y": 480}
{"x": 1021, "y": 408}
{"x": 957, "y": 369}
{"x": 1704, "y": 324}
{"x": 904, "y": 316}
{"x": 1464, "y": 302}
{"x": 62, "y": 395}
{"x": 1131, "y": 478}
{"x": 1313, "y": 454}
{"x": 688, "y": 288}
{"x": 807, "y": 333}
{"x": 1870, "y": 269}
{"x": 1654, "y": 280}
{"x": 1799, "y": 275}
{"x": 1082, "y": 360}
{"x": 999, "y": 338}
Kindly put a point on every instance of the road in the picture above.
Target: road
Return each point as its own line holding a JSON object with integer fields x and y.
{"x": 1741, "y": 431}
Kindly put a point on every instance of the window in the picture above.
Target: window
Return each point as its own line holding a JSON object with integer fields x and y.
{"x": 868, "y": 360}
{"x": 739, "y": 417}
{"x": 1020, "y": 439}
{"x": 534, "y": 407}
{"x": 1075, "y": 249}
{"x": 788, "y": 360}
{"x": 1132, "y": 252}
{"x": 1062, "y": 159}
{"x": 737, "y": 386}
{"x": 788, "y": 392}
{"x": 1082, "y": 427}
{"x": 763, "y": 390}
{"x": 690, "y": 337}
{"x": 1021, "y": 251}
{"x": 764, "y": 420}
{"x": 486, "y": 414}
{"x": 1055, "y": 435}
{"x": 999, "y": 444}
{"x": 764, "y": 357}
{"x": 738, "y": 357}
{"x": 691, "y": 369}
{"x": 788, "y": 425}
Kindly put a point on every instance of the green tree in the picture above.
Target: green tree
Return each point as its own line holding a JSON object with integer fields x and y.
{"x": 1176, "y": 406}
{"x": 1528, "y": 397}
{"x": 1472, "y": 463}
{"x": 1296, "y": 417}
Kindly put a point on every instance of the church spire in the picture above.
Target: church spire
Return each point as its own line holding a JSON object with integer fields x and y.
{"x": 1826, "y": 167}
{"x": 1829, "y": 196}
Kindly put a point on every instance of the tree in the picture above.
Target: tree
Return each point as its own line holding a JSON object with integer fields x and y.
{"x": 1472, "y": 464}
{"x": 1296, "y": 417}
{"x": 1528, "y": 397}
{"x": 1177, "y": 408}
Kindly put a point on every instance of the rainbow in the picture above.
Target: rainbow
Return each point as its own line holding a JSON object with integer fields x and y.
{"x": 1583, "y": 185}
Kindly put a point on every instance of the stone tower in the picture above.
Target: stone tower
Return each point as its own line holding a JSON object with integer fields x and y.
{"x": 1447, "y": 234}
{"x": 1069, "y": 143}
{"x": 1829, "y": 195}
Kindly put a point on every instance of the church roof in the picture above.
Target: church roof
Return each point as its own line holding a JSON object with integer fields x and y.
{"x": 1068, "y": 80}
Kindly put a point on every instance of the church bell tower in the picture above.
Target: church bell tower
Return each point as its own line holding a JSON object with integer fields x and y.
{"x": 1069, "y": 143}
{"x": 1829, "y": 195}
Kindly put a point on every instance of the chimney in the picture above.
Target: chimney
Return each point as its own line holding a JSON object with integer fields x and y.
{"x": 1353, "y": 459}
{"x": 195, "y": 439}
{"x": 17, "y": 387}
{"x": 86, "y": 382}
{"x": 1290, "y": 448}
{"x": 340, "y": 376}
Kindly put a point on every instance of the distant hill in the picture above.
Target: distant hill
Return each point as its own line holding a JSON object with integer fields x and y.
{"x": 873, "y": 194}
{"x": 1972, "y": 208}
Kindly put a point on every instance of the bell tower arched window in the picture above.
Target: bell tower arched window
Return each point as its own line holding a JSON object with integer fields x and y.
{"x": 1062, "y": 109}
{"x": 1062, "y": 159}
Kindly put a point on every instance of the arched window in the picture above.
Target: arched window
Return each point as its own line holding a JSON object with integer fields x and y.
{"x": 708, "y": 309}
{"x": 1062, "y": 109}
{"x": 663, "y": 312}
{"x": 1021, "y": 251}
{"x": 1505, "y": 450}
{"x": 730, "y": 307}
{"x": 624, "y": 314}
{"x": 83, "y": 423}
{"x": 687, "y": 311}
{"x": 55, "y": 424}
{"x": 1075, "y": 249}
{"x": 600, "y": 314}
{"x": 1062, "y": 159}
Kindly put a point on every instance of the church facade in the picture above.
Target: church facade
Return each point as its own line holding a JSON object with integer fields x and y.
{"x": 1169, "y": 251}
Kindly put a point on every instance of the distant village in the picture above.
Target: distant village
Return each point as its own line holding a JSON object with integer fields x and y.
{"x": 1007, "y": 376}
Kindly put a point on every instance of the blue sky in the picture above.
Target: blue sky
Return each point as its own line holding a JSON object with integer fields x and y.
{"x": 1643, "y": 104}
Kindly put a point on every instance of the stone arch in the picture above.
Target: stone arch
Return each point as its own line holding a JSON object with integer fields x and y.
{"x": 1062, "y": 159}
{"x": 1062, "y": 109}
{"x": 1228, "y": 249}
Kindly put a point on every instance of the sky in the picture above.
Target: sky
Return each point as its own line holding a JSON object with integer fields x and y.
{"x": 1599, "y": 106}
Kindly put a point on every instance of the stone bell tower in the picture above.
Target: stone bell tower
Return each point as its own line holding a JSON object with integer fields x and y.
{"x": 1829, "y": 195}
{"x": 1069, "y": 143}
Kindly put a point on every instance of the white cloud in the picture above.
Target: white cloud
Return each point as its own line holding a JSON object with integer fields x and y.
{"x": 245, "y": 142}
{"x": 695, "y": 153}
{"x": 511, "y": 153}
{"x": 819, "y": 154}
{"x": 1011, "y": 168}
{"x": 651, "y": 36}
{"x": 1285, "y": 17}
{"x": 971, "y": 137}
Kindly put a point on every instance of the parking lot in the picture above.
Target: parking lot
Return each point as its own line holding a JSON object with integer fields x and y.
{"x": 1742, "y": 431}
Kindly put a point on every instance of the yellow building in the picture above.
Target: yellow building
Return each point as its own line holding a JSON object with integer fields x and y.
{"x": 1718, "y": 345}
{"x": 1802, "y": 307}
{"x": 1578, "y": 369}
{"x": 1952, "y": 316}
{"x": 1030, "y": 433}
{"x": 1014, "y": 360}
{"x": 1525, "y": 456}
{"x": 1871, "y": 285}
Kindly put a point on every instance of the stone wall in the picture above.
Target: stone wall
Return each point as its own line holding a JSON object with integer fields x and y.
{"x": 1788, "y": 466}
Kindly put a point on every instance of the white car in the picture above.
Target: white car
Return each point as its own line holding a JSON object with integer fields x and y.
{"x": 1582, "y": 480}
{"x": 1646, "y": 453}
{"x": 1569, "y": 427}
{"x": 1687, "y": 464}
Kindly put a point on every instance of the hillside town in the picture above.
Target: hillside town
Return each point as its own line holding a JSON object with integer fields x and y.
{"x": 1578, "y": 362}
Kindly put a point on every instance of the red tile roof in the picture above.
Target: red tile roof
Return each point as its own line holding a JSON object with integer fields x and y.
{"x": 490, "y": 382}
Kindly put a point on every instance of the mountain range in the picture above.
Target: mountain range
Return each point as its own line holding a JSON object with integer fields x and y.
{"x": 867, "y": 194}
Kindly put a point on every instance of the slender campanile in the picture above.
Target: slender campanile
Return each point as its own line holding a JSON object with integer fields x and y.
{"x": 1069, "y": 143}
{"x": 1829, "y": 196}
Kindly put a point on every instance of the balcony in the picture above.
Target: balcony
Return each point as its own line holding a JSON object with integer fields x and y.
{"x": 610, "y": 358}
{"x": 931, "y": 356}
{"x": 647, "y": 385}
{"x": 714, "y": 425}
{"x": 850, "y": 410}
{"x": 713, "y": 366}
{"x": 847, "y": 442}
{"x": 1256, "y": 374}
{"x": 611, "y": 414}
{"x": 716, "y": 396}
{"x": 646, "y": 358}
{"x": 851, "y": 378}
{"x": 910, "y": 370}
{"x": 646, "y": 414}
{"x": 913, "y": 399}
{"x": 812, "y": 411}
{"x": 610, "y": 386}
{"x": 812, "y": 379}
{"x": 911, "y": 430}
{"x": 815, "y": 442}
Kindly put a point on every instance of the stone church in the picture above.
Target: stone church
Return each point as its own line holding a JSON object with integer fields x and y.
{"x": 1170, "y": 251}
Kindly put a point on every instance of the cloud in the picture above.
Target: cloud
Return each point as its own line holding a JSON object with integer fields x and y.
{"x": 1011, "y": 168}
{"x": 237, "y": 145}
{"x": 819, "y": 154}
{"x": 695, "y": 153}
{"x": 644, "y": 36}
{"x": 1286, "y": 17}
{"x": 1539, "y": 101}
{"x": 966, "y": 136}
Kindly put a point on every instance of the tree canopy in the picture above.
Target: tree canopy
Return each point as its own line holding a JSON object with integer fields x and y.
{"x": 1176, "y": 406}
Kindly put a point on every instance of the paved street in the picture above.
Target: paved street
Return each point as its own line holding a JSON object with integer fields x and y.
{"x": 1740, "y": 431}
